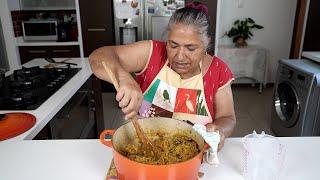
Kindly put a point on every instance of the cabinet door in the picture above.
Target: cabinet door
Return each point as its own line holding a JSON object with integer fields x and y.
{"x": 301, "y": 9}
{"x": 97, "y": 24}
{"x": 64, "y": 51}
{"x": 28, "y": 53}
{"x": 312, "y": 36}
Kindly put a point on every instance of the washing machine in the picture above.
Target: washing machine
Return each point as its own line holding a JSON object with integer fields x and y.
{"x": 296, "y": 99}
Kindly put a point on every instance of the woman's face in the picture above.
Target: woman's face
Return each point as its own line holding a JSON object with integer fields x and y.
{"x": 185, "y": 50}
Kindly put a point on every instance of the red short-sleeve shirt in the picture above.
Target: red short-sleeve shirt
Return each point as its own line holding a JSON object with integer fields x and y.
{"x": 217, "y": 75}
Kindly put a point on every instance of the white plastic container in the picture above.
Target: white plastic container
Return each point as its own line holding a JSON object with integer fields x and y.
{"x": 263, "y": 157}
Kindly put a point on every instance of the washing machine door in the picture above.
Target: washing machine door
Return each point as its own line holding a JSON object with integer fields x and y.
{"x": 286, "y": 104}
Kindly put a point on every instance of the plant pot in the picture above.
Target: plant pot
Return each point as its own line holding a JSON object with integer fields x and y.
{"x": 240, "y": 42}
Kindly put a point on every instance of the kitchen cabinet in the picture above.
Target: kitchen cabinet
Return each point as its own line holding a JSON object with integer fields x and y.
{"x": 76, "y": 119}
{"x": 212, "y": 11}
{"x": 97, "y": 24}
{"x": 306, "y": 28}
{"x": 97, "y": 30}
{"x": 312, "y": 36}
{"x": 28, "y": 53}
{"x": 47, "y": 4}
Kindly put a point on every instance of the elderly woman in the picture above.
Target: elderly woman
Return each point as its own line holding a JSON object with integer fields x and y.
{"x": 176, "y": 78}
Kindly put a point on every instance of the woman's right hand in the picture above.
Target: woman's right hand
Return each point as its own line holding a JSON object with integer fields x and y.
{"x": 121, "y": 60}
{"x": 129, "y": 96}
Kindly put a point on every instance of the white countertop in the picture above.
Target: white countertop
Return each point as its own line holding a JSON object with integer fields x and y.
{"x": 21, "y": 42}
{"x": 89, "y": 159}
{"x": 50, "y": 107}
{"x": 313, "y": 55}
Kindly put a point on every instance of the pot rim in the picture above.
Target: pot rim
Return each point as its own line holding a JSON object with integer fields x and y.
{"x": 161, "y": 165}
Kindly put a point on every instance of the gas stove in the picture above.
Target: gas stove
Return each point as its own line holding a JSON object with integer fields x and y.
{"x": 28, "y": 88}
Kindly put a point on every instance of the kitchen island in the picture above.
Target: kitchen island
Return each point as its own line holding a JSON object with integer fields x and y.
{"x": 89, "y": 159}
{"x": 51, "y": 106}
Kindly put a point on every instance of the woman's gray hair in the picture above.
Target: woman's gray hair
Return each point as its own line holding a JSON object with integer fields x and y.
{"x": 194, "y": 17}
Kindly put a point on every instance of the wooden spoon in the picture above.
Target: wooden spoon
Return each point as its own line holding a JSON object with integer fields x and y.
{"x": 141, "y": 135}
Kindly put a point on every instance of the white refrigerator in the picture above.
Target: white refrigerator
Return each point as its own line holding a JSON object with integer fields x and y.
{"x": 143, "y": 19}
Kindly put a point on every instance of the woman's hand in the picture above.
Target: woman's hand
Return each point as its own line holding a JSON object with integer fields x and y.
{"x": 213, "y": 128}
{"x": 225, "y": 119}
{"x": 129, "y": 96}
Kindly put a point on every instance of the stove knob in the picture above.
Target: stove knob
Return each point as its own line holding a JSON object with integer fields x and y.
{"x": 27, "y": 84}
{"x": 53, "y": 83}
{"x": 17, "y": 99}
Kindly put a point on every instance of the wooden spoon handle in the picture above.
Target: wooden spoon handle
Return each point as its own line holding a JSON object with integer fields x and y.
{"x": 141, "y": 135}
{"x": 111, "y": 76}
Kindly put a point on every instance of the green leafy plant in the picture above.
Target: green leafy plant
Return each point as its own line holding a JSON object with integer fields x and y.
{"x": 241, "y": 31}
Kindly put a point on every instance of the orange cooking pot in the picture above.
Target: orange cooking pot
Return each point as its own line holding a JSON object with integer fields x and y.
{"x": 128, "y": 169}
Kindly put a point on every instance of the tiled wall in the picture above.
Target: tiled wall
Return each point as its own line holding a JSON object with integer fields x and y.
{"x": 19, "y": 16}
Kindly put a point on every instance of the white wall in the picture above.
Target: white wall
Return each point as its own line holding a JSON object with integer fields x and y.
{"x": 14, "y": 5}
{"x": 277, "y": 17}
{"x": 12, "y": 50}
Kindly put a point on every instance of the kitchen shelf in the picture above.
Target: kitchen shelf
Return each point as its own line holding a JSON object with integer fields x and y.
{"x": 313, "y": 55}
{"x": 48, "y": 8}
{"x": 21, "y": 42}
{"x": 47, "y": 4}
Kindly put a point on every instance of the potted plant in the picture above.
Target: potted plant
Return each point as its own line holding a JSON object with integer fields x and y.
{"x": 241, "y": 31}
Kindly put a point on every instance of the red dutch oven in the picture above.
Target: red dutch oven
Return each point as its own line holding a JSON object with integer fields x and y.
{"x": 128, "y": 169}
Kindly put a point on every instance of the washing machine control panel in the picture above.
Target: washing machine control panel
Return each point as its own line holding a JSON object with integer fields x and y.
{"x": 299, "y": 79}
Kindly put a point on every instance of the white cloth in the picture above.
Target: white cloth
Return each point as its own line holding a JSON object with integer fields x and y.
{"x": 213, "y": 139}
{"x": 246, "y": 62}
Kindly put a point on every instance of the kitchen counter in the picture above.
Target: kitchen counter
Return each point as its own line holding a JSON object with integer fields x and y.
{"x": 89, "y": 159}
{"x": 313, "y": 55}
{"x": 51, "y": 106}
{"x": 21, "y": 42}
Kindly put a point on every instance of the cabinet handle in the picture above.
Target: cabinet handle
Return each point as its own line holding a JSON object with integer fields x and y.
{"x": 61, "y": 50}
{"x": 37, "y": 51}
{"x": 96, "y": 29}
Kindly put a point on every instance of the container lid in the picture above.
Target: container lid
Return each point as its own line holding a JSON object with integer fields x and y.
{"x": 14, "y": 124}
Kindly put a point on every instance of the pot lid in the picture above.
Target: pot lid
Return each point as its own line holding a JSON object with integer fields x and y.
{"x": 14, "y": 124}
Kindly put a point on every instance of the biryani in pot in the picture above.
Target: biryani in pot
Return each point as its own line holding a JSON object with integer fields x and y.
{"x": 173, "y": 148}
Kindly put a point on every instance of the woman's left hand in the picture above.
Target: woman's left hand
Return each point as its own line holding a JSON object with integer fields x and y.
{"x": 213, "y": 128}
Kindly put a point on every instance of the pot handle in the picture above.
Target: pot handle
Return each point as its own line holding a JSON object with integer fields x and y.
{"x": 102, "y": 137}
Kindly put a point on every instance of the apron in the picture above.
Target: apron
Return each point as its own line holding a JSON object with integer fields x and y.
{"x": 170, "y": 96}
